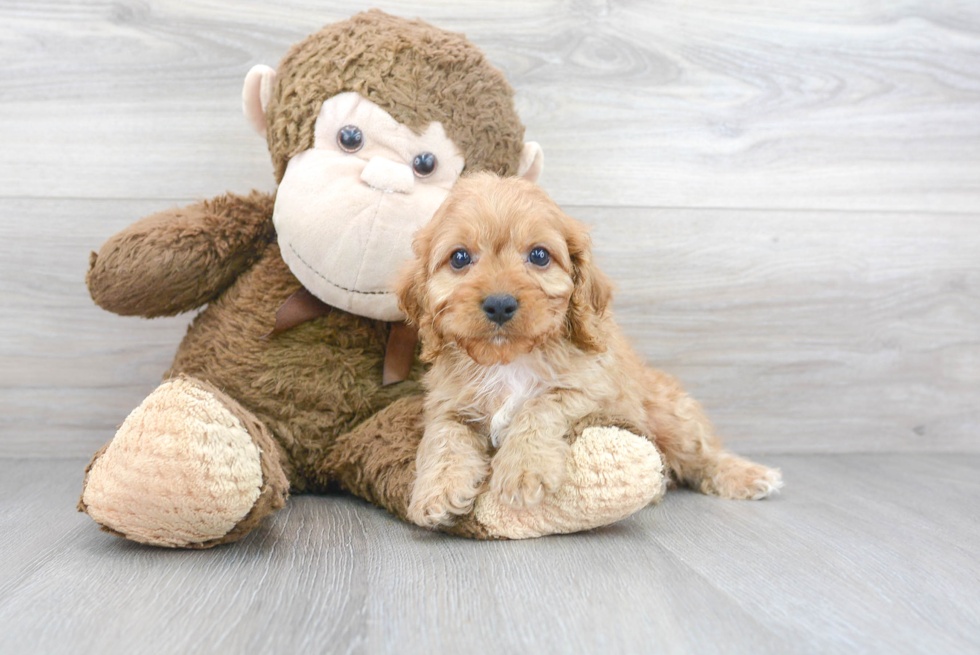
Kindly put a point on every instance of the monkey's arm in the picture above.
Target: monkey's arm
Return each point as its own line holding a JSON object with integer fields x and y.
{"x": 179, "y": 259}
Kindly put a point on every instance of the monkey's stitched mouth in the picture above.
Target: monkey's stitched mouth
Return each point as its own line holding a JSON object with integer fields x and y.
{"x": 331, "y": 282}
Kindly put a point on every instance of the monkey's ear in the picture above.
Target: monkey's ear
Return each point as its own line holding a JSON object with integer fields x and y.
{"x": 532, "y": 162}
{"x": 256, "y": 94}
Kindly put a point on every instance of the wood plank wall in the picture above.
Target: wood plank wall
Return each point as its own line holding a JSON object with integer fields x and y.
{"x": 787, "y": 194}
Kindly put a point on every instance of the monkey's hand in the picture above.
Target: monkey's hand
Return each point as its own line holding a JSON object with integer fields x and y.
{"x": 610, "y": 473}
{"x": 179, "y": 259}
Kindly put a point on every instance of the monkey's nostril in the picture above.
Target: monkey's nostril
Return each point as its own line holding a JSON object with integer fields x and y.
{"x": 500, "y": 308}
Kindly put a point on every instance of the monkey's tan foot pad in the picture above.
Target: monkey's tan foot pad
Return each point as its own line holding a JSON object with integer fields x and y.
{"x": 186, "y": 469}
{"x": 611, "y": 473}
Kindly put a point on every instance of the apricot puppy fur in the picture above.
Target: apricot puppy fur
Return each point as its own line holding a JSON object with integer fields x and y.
{"x": 515, "y": 318}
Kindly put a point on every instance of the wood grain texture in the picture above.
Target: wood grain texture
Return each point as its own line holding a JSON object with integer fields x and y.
{"x": 69, "y": 372}
{"x": 810, "y": 104}
{"x": 787, "y": 196}
{"x": 807, "y": 331}
{"x": 799, "y": 331}
{"x": 860, "y": 554}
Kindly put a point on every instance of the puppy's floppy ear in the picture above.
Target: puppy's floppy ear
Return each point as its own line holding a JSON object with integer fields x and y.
{"x": 591, "y": 295}
{"x": 410, "y": 285}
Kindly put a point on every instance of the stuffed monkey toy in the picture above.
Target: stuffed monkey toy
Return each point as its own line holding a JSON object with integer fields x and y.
{"x": 298, "y": 376}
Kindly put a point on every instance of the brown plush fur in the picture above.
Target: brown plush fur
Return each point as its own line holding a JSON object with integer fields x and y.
{"x": 309, "y": 385}
{"x": 313, "y": 394}
{"x": 141, "y": 271}
{"x": 523, "y": 383}
{"x": 431, "y": 75}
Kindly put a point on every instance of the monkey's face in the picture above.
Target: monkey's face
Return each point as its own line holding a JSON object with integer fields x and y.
{"x": 347, "y": 208}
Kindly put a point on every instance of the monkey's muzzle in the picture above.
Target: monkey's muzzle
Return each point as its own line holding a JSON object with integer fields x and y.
{"x": 387, "y": 176}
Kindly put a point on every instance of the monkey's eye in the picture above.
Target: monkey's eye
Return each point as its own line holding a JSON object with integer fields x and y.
{"x": 424, "y": 164}
{"x": 459, "y": 259}
{"x": 350, "y": 138}
{"x": 539, "y": 257}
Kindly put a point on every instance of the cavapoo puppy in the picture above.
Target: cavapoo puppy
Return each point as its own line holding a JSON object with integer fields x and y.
{"x": 514, "y": 316}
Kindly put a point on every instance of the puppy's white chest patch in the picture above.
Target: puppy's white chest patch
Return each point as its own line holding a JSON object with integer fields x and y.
{"x": 508, "y": 387}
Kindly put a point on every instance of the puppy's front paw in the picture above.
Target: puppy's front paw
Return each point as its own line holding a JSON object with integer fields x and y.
{"x": 437, "y": 504}
{"x": 429, "y": 513}
{"x": 524, "y": 483}
{"x": 740, "y": 479}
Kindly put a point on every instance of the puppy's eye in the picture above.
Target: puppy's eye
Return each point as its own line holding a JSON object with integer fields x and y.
{"x": 459, "y": 259}
{"x": 539, "y": 257}
{"x": 424, "y": 164}
{"x": 350, "y": 138}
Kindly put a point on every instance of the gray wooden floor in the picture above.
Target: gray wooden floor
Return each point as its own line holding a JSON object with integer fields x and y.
{"x": 788, "y": 197}
{"x": 861, "y": 554}
{"x": 786, "y": 193}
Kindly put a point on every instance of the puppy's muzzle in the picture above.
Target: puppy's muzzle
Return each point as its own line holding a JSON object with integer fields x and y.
{"x": 500, "y": 308}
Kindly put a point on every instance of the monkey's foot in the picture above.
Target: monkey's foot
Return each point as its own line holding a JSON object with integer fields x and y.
{"x": 188, "y": 468}
{"x": 611, "y": 473}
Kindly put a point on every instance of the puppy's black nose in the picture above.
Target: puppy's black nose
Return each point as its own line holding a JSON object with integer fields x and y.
{"x": 500, "y": 308}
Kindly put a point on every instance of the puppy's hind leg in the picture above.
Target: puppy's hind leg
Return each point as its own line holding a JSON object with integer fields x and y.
{"x": 694, "y": 453}
{"x": 740, "y": 479}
